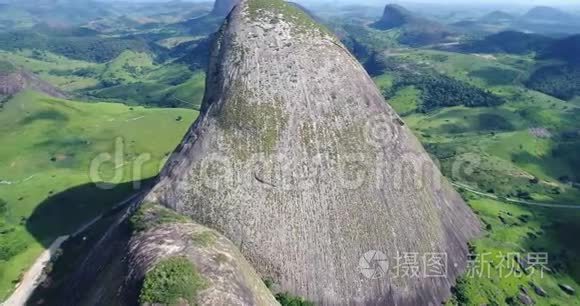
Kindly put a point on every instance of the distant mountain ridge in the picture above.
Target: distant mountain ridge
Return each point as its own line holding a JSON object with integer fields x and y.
{"x": 548, "y": 13}
{"x": 497, "y": 16}
{"x": 543, "y": 20}
{"x": 513, "y": 42}
{"x": 548, "y": 20}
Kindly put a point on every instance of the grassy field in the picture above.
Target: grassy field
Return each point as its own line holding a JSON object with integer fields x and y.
{"x": 45, "y": 161}
{"x": 526, "y": 148}
{"x": 497, "y": 279}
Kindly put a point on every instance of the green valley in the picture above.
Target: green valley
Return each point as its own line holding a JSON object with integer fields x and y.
{"x": 47, "y": 148}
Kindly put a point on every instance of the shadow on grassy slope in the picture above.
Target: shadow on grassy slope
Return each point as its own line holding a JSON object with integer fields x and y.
{"x": 561, "y": 241}
{"x": 64, "y": 213}
{"x": 62, "y": 274}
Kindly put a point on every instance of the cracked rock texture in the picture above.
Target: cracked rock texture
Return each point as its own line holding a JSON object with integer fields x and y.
{"x": 299, "y": 161}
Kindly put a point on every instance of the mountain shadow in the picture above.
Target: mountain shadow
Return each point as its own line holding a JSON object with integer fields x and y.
{"x": 65, "y": 212}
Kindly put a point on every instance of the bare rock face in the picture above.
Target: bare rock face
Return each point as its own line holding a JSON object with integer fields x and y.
{"x": 394, "y": 16}
{"x": 14, "y": 80}
{"x": 298, "y": 160}
{"x": 224, "y": 7}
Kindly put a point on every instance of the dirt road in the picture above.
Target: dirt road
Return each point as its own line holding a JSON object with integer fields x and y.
{"x": 32, "y": 277}
{"x": 516, "y": 201}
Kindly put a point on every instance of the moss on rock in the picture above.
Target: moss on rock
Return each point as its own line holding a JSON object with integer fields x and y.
{"x": 150, "y": 215}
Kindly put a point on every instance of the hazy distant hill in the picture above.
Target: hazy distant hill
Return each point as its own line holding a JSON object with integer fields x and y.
{"x": 508, "y": 42}
{"x": 68, "y": 43}
{"x": 497, "y": 17}
{"x": 546, "y": 13}
{"x": 548, "y": 20}
{"x": 58, "y": 12}
{"x": 106, "y": 16}
{"x": 492, "y": 22}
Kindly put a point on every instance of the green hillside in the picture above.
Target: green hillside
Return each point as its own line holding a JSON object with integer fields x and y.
{"x": 131, "y": 78}
{"x": 47, "y": 148}
{"x": 524, "y": 149}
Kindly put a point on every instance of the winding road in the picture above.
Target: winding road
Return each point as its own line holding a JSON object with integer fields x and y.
{"x": 512, "y": 200}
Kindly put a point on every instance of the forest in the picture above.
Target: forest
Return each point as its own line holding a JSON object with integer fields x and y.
{"x": 443, "y": 91}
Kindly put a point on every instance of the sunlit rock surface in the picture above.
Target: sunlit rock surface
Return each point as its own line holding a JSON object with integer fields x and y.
{"x": 298, "y": 160}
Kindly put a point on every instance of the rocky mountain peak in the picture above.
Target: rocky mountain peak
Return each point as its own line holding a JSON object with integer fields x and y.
{"x": 299, "y": 161}
{"x": 394, "y": 16}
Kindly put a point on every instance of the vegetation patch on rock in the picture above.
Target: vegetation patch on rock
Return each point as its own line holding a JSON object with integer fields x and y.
{"x": 283, "y": 10}
{"x": 171, "y": 282}
{"x": 151, "y": 215}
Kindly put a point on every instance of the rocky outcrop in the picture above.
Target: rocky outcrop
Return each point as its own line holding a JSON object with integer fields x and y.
{"x": 228, "y": 279}
{"x": 224, "y": 7}
{"x": 394, "y": 16}
{"x": 414, "y": 30}
{"x": 297, "y": 159}
{"x": 14, "y": 80}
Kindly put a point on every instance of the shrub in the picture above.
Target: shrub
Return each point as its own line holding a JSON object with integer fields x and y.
{"x": 171, "y": 281}
{"x": 286, "y": 299}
